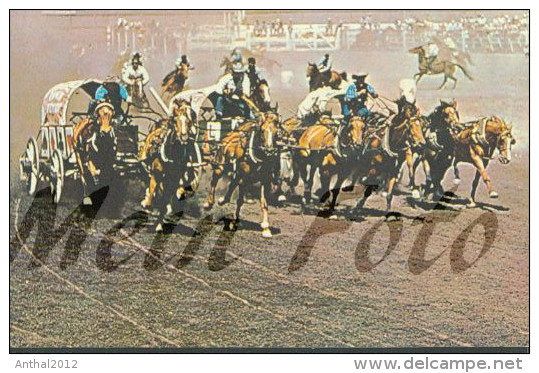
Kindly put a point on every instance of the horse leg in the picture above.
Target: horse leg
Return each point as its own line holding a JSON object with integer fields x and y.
{"x": 366, "y": 194}
{"x": 335, "y": 192}
{"x": 239, "y": 204}
{"x": 426, "y": 168}
{"x": 150, "y": 192}
{"x": 86, "y": 200}
{"x": 216, "y": 175}
{"x": 389, "y": 197}
{"x": 231, "y": 188}
{"x": 308, "y": 177}
{"x": 456, "y": 172}
{"x": 411, "y": 171}
{"x": 481, "y": 167}
{"x": 155, "y": 168}
{"x": 295, "y": 166}
{"x": 325, "y": 178}
{"x": 264, "y": 193}
{"x": 454, "y": 81}
{"x": 475, "y": 183}
{"x": 442, "y": 86}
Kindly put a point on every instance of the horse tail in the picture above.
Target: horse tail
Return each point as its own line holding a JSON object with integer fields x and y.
{"x": 464, "y": 71}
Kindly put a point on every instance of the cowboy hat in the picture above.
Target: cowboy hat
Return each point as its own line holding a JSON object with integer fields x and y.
{"x": 359, "y": 76}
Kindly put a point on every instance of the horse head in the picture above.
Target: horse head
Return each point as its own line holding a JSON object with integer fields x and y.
{"x": 105, "y": 113}
{"x": 357, "y": 128}
{"x": 447, "y": 113}
{"x": 312, "y": 70}
{"x": 182, "y": 120}
{"x": 504, "y": 139}
{"x": 417, "y": 50}
{"x": 406, "y": 110}
{"x": 269, "y": 129}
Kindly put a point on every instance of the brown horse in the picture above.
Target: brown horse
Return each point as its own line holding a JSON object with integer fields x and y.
{"x": 251, "y": 153}
{"x": 332, "y": 150}
{"x": 167, "y": 153}
{"x": 317, "y": 79}
{"x": 477, "y": 143}
{"x": 94, "y": 142}
{"x": 439, "y": 148}
{"x": 439, "y": 66}
{"x": 174, "y": 82}
{"x": 385, "y": 151}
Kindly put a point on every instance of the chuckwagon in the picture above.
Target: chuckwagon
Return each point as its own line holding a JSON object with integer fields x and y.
{"x": 50, "y": 157}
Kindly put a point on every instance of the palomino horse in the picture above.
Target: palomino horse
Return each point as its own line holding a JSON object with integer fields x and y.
{"x": 316, "y": 79}
{"x": 174, "y": 82}
{"x": 167, "y": 152}
{"x": 439, "y": 150}
{"x": 251, "y": 153}
{"x": 385, "y": 150}
{"x": 477, "y": 144}
{"x": 447, "y": 68}
{"x": 94, "y": 142}
{"x": 332, "y": 150}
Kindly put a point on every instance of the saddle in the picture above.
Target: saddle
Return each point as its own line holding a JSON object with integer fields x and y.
{"x": 475, "y": 131}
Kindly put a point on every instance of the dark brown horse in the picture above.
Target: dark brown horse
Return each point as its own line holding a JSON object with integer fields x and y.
{"x": 440, "y": 146}
{"x": 385, "y": 151}
{"x": 94, "y": 142}
{"x": 174, "y": 82}
{"x": 168, "y": 152}
{"x": 251, "y": 153}
{"x": 439, "y": 66}
{"x": 317, "y": 79}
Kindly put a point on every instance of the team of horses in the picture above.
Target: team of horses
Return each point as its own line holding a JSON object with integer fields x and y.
{"x": 356, "y": 151}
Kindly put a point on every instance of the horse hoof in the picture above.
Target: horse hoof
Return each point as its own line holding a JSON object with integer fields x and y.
{"x": 87, "y": 201}
{"x": 493, "y": 194}
{"x": 391, "y": 217}
{"x": 471, "y": 205}
{"x": 221, "y": 201}
{"x": 333, "y": 217}
{"x": 169, "y": 209}
{"x": 456, "y": 181}
{"x": 250, "y": 201}
{"x": 159, "y": 228}
{"x": 281, "y": 198}
{"x": 207, "y": 205}
{"x": 384, "y": 194}
{"x": 266, "y": 233}
{"x": 415, "y": 194}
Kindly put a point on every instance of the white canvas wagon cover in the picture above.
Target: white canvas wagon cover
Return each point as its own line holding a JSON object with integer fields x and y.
{"x": 195, "y": 96}
{"x": 56, "y": 100}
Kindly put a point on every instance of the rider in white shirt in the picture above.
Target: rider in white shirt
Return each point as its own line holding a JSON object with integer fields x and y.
{"x": 432, "y": 53}
{"x": 134, "y": 70}
{"x": 234, "y": 86}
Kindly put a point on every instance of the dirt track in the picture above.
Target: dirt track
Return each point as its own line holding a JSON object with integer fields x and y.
{"x": 317, "y": 283}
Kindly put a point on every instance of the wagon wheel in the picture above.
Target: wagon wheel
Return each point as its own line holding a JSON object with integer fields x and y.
{"x": 30, "y": 167}
{"x": 56, "y": 177}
